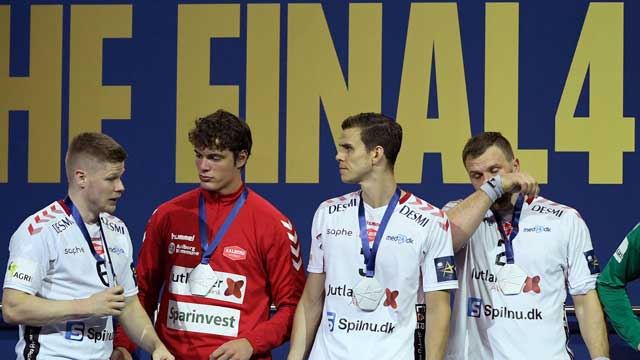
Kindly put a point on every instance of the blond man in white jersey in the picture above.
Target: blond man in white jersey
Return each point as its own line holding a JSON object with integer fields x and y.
{"x": 70, "y": 266}
{"x": 518, "y": 256}
{"x": 373, "y": 253}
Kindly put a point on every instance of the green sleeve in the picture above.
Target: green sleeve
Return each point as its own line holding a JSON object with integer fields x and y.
{"x": 623, "y": 267}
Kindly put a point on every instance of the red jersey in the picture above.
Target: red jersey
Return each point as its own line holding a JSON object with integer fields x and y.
{"x": 257, "y": 263}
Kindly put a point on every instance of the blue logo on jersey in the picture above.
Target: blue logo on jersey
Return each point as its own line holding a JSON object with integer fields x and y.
{"x": 445, "y": 268}
{"x": 331, "y": 317}
{"x": 75, "y": 331}
{"x": 592, "y": 262}
{"x": 474, "y": 307}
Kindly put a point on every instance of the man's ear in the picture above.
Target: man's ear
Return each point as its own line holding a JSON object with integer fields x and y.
{"x": 80, "y": 178}
{"x": 241, "y": 159}
{"x": 378, "y": 155}
{"x": 516, "y": 165}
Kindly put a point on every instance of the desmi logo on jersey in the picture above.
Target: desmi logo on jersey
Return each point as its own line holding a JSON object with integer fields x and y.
{"x": 537, "y": 229}
{"x": 413, "y": 215}
{"x": 545, "y": 210}
{"x": 342, "y": 207}
{"x": 476, "y": 308}
{"x": 358, "y": 325}
{"x": 592, "y": 262}
{"x": 228, "y": 287}
{"x": 208, "y": 319}
{"x": 75, "y": 331}
{"x": 445, "y": 268}
{"x": 400, "y": 239}
{"x": 182, "y": 237}
{"x": 112, "y": 225}
{"x": 62, "y": 225}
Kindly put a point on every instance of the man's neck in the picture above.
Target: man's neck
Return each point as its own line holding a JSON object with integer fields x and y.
{"x": 88, "y": 215}
{"x": 231, "y": 187}
{"x": 378, "y": 189}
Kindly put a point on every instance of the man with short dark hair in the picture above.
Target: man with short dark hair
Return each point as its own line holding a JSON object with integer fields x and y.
{"x": 70, "y": 265}
{"x": 373, "y": 253}
{"x": 223, "y": 255}
{"x": 518, "y": 256}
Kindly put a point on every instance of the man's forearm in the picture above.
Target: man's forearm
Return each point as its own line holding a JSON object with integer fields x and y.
{"x": 22, "y": 308}
{"x": 305, "y": 325}
{"x": 592, "y": 324}
{"x": 467, "y": 216}
{"x": 437, "y": 324}
{"x": 137, "y": 325}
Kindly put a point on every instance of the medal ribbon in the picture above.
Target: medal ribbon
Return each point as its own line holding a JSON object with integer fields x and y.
{"x": 508, "y": 241}
{"x": 83, "y": 229}
{"x": 208, "y": 247}
{"x": 370, "y": 253}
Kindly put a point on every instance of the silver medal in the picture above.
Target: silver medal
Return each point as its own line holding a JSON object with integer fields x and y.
{"x": 367, "y": 294}
{"x": 511, "y": 279}
{"x": 201, "y": 279}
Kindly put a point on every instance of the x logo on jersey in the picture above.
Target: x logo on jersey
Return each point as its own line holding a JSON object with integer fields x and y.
{"x": 234, "y": 288}
{"x": 391, "y": 298}
{"x": 532, "y": 284}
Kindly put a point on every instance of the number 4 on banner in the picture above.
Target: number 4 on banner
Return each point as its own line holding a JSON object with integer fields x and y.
{"x": 605, "y": 134}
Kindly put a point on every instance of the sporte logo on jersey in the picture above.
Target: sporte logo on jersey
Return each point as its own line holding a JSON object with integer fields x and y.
{"x": 445, "y": 268}
{"x": 77, "y": 331}
{"x": 545, "y": 210}
{"x": 592, "y": 262}
{"x": 476, "y": 308}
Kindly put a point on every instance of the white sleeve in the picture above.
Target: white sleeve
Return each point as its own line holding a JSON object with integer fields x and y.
{"x": 126, "y": 277}
{"x": 438, "y": 265}
{"x": 316, "y": 254}
{"x": 28, "y": 257}
{"x": 582, "y": 265}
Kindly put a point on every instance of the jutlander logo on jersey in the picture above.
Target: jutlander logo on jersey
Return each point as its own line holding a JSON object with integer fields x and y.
{"x": 340, "y": 290}
{"x": 227, "y": 287}
{"x": 545, "y": 210}
{"x": 477, "y": 308}
{"x": 537, "y": 229}
{"x": 342, "y": 207}
{"x": 410, "y": 214}
{"x": 484, "y": 275}
{"x": 400, "y": 239}
{"x": 206, "y": 319}
{"x": 345, "y": 324}
{"x": 182, "y": 237}
{"x": 234, "y": 253}
{"x": 77, "y": 331}
{"x": 339, "y": 232}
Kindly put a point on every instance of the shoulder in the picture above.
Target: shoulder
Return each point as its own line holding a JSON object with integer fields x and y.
{"x": 421, "y": 211}
{"x": 184, "y": 201}
{"x": 552, "y": 210}
{"x": 339, "y": 203}
{"x": 51, "y": 219}
{"x": 266, "y": 211}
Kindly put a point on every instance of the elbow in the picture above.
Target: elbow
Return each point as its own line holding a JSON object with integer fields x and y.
{"x": 9, "y": 313}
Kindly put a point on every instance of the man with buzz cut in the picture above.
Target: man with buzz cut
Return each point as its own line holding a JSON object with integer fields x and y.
{"x": 70, "y": 266}
{"x": 373, "y": 253}
{"x": 518, "y": 255}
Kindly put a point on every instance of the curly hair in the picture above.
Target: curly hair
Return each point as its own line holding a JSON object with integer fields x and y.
{"x": 221, "y": 131}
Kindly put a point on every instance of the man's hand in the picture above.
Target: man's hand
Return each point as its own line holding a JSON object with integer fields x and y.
{"x": 520, "y": 182}
{"x": 161, "y": 353}
{"x": 239, "y": 349}
{"x": 120, "y": 353}
{"x": 109, "y": 302}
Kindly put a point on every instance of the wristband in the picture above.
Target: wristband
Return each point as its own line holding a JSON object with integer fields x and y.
{"x": 493, "y": 188}
{"x": 601, "y": 358}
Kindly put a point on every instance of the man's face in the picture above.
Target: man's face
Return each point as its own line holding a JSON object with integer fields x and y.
{"x": 491, "y": 163}
{"x": 217, "y": 169}
{"x": 354, "y": 161}
{"x": 104, "y": 186}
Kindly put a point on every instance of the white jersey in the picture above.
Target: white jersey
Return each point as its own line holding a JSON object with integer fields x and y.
{"x": 417, "y": 241}
{"x": 50, "y": 258}
{"x": 554, "y": 249}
